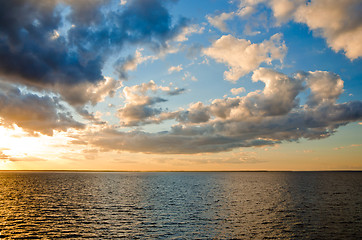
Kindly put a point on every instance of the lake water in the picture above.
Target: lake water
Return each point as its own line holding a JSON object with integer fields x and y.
{"x": 187, "y": 205}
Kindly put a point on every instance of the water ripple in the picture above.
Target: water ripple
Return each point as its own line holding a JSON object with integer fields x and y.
{"x": 318, "y": 205}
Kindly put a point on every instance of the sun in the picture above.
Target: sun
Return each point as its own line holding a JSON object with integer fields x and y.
{"x": 17, "y": 144}
{"x": 4, "y": 165}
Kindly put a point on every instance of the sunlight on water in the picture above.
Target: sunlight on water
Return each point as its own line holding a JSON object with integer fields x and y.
{"x": 324, "y": 205}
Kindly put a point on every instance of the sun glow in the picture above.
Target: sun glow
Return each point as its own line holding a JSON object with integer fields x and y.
{"x": 16, "y": 142}
{"x": 16, "y": 145}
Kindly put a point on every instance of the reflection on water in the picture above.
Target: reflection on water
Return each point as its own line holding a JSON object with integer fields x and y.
{"x": 316, "y": 205}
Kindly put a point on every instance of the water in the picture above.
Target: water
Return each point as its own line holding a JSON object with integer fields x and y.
{"x": 240, "y": 205}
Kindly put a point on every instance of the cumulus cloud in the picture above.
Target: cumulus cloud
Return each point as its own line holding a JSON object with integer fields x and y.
{"x": 197, "y": 113}
{"x": 218, "y": 21}
{"x": 236, "y": 91}
{"x": 242, "y": 56}
{"x": 33, "y": 113}
{"x": 283, "y": 10}
{"x": 278, "y": 96}
{"x": 325, "y": 87}
{"x": 265, "y": 117}
{"x": 83, "y": 93}
{"x": 339, "y": 22}
{"x": 140, "y": 106}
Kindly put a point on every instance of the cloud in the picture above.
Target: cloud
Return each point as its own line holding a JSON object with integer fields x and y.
{"x": 350, "y": 146}
{"x": 197, "y": 113}
{"x": 140, "y": 108}
{"x": 176, "y": 91}
{"x": 122, "y": 66}
{"x": 218, "y": 21}
{"x": 34, "y": 113}
{"x": 263, "y": 117}
{"x": 278, "y": 96}
{"x": 325, "y": 87}
{"x": 339, "y": 22}
{"x": 242, "y": 56}
{"x": 175, "y": 69}
{"x": 236, "y": 91}
{"x": 83, "y": 93}
{"x": 3, "y": 156}
{"x": 27, "y": 159}
{"x": 187, "y": 75}
{"x": 57, "y": 50}
{"x": 188, "y": 31}
{"x": 38, "y": 51}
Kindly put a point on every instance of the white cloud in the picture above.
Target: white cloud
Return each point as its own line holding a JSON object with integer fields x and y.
{"x": 219, "y": 20}
{"x": 325, "y": 87}
{"x": 175, "y": 69}
{"x": 188, "y": 75}
{"x": 242, "y": 56}
{"x": 187, "y": 31}
{"x": 339, "y": 22}
{"x": 141, "y": 104}
{"x": 245, "y": 11}
{"x": 283, "y": 10}
{"x": 236, "y": 91}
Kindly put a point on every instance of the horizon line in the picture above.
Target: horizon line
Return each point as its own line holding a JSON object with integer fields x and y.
{"x": 159, "y": 171}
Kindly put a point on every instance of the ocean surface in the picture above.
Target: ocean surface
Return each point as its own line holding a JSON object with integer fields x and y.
{"x": 181, "y": 205}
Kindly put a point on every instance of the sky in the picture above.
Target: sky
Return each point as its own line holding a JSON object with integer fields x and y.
{"x": 167, "y": 85}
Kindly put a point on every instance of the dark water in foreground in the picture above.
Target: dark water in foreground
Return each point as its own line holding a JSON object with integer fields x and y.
{"x": 257, "y": 205}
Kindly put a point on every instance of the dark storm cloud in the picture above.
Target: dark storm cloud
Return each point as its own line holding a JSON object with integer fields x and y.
{"x": 34, "y": 52}
{"x": 29, "y": 54}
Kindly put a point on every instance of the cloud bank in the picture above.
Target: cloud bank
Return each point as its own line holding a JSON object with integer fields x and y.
{"x": 260, "y": 118}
